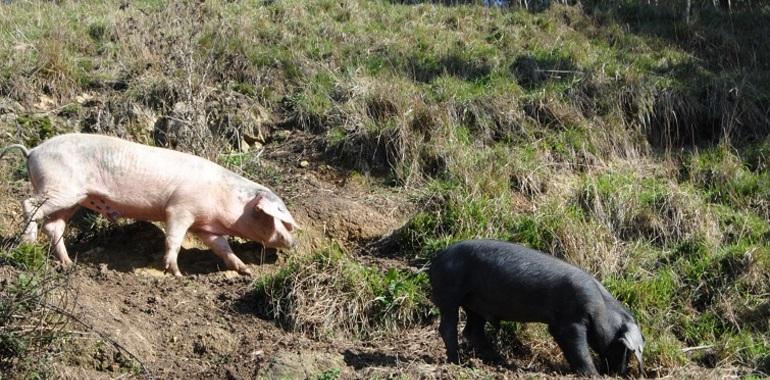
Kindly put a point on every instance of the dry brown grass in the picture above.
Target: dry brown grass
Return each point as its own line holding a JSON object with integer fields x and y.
{"x": 328, "y": 294}
{"x": 657, "y": 211}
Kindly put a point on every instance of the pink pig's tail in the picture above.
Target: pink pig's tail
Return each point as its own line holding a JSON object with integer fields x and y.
{"x": 15, "y": 146}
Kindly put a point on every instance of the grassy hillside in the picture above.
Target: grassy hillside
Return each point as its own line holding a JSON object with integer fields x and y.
{"x": 616, "y": 135}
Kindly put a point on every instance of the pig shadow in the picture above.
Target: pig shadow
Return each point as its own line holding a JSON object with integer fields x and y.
{"x": 141, "y": 245}
{"x": 359, "y": 360}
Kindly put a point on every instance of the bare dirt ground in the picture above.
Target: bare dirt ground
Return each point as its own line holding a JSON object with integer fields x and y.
{"x": 206, "y": 325}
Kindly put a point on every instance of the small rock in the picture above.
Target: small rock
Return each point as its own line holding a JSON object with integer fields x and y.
{"x": 83, "y": 98}
{"x": 304, "y": 164}
{"x": 45, "y": 103}
{"x": 244, "y": 146}
{"x": 7, "y": 118}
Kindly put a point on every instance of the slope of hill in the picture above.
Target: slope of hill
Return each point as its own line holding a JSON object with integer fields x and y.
{"x": 624, "y": 137}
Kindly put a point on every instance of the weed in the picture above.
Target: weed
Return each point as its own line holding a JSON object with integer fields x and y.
{"x": 329, "y": 374}
{"x": 27, "y": 256}
{"x": 37, "y": 128}
{"x": 31, "y": 327}
{"x": 328, "y": 293}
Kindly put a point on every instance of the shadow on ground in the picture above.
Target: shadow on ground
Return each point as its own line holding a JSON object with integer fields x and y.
{"x": 359, "y": 360}
{"x": 138, "y": 245}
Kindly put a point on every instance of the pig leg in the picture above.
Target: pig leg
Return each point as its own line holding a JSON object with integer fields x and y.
{"x": 41, "y": 206}
{"x": 219, "y": 245}
{"x": 474, "y": 333}
{"x": 448, "y": 330}
{"x": 573, "y": 342}
{"x": 54, "y": 228}
{"x": 30, "y": 207}
{"x": 177, "y": 224}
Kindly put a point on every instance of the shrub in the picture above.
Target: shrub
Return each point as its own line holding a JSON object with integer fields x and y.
{"x": 329, "y": 293}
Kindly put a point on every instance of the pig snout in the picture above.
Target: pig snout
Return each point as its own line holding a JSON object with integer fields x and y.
{"x": 282, "y": 238}
{"x": 281, "y": 242}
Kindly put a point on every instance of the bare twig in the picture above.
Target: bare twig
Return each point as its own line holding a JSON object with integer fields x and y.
{"x": 697, "y": 348}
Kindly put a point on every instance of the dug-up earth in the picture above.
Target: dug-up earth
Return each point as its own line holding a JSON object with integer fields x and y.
{"x": 131, "y": 320}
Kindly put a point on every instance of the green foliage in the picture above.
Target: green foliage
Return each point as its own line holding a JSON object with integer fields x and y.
{"x": 456, "y": 215}
{"x": 395, "y": 287}
{"x": 649, "y": 208}
{"x": 37, "y": 128}
{"x": 30, "y": 325}
{"x": 650, "y": 294}
{"x": 26, "y": 256}
{"x": 727, "y": 179}
{"x": 233, "y": 160}
{"x": 329, "y": 374}
{"x": 351, "y": 298}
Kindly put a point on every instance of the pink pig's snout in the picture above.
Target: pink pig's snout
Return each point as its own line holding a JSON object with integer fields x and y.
{"x": 282, "y": 237}
{"x": 284, "y": 241}
{"x": 290, "y": 241}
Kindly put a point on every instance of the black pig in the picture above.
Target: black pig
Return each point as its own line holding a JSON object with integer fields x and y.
{"x": 494, "y": 280}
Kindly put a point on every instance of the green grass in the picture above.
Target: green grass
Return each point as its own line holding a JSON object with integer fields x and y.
{"x": 329, "y": 374}
{"x": 327, "y": 293}
{"x": 27, "y": 256}
{"x": 31, "y": 330}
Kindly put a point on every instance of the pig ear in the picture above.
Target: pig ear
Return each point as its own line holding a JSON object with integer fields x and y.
{"x": 276, "y": 209}
{"x": 632, "y": 339}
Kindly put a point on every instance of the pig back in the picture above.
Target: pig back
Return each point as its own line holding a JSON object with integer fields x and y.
{"x": 134, "y": 177}
{"x": 500, "y": 280}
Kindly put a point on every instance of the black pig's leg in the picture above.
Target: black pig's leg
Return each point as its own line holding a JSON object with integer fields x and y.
{"x": 448, "y": 330}
{"x": 474, "y": 332}
{"x": 572, "y": 340}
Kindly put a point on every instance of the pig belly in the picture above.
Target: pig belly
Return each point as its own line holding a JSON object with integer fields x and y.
{"x": 113, "y": 210}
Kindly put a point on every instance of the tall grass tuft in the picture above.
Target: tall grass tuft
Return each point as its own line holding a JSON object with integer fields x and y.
{"x": 328, "y": 293}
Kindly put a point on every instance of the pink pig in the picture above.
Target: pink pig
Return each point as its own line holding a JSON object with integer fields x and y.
{"x": 119, "y": 178}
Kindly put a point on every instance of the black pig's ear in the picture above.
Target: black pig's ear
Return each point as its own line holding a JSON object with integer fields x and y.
{"x": 633, "y": 340}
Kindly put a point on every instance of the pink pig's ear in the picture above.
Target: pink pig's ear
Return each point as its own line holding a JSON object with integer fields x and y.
{"x": 276, "y": 209}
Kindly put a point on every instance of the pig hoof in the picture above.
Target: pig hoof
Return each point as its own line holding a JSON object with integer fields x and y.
{"x": 175, "y": 273}
{"x": 245, "y": 271}
{"x": 64, "y": 264}
{"x": 29, "y": 237}
{"x": 173, "y": 269}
